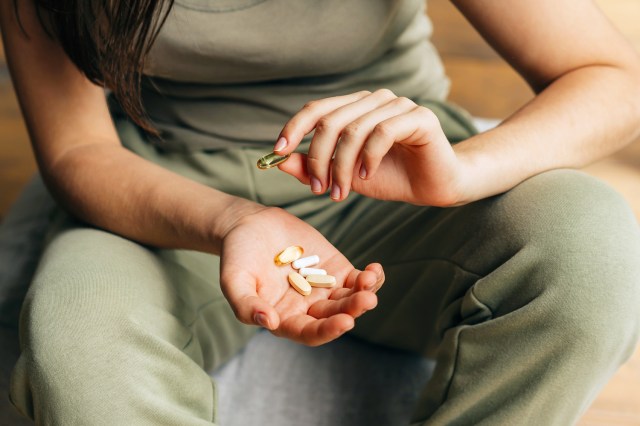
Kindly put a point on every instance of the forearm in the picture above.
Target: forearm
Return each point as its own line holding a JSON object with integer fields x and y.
{"x": 582, "y": 116}
{"x": 114, "y": 189}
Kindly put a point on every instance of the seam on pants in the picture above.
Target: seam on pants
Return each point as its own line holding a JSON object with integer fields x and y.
{"x": 435, "y": 259}
{"x": 457, "y": 343}
{"x": 480, "y": 302}
{"x": 251, "y": 177}
{"x": 214, "y": 407}
{"x": 196, "y": 317}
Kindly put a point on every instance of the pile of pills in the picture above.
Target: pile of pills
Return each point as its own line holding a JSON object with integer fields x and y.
{"x": 306, "y": 277}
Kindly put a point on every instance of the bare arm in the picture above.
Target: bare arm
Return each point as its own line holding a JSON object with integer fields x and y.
{"x": 92, "y": 175}
{"x": 587, "y": 79}
{"x": 588, "y": 82}
{"x": 85, "y": 166}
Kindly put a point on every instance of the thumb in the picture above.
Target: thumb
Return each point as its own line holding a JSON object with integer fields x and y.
{"x": 240, "y": 291}
{"x": 296, "y": 166}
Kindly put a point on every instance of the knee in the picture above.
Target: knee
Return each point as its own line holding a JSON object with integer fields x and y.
{"x": 67, "y": 320}
{"x": 584, "y": 243}
{"x": 569, "y": 216}
{"x": 98, "y": 348}
{"x": 574, "y": 245}
{"x": 79, "y": 304}
{"x": 565, "y": 208}
{"x": 594, "y": 317}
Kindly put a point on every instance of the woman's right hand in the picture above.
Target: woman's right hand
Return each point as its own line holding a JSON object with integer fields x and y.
{"x": 259, "y": 291}
{"x": 377, "y": 144}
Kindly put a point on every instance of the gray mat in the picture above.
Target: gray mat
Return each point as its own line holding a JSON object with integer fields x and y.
{"x": 346, "y": 382}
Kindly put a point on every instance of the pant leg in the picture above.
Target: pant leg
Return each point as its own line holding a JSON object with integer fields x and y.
{"x": 113, "y": 333}
{"x": 527, "y": 300}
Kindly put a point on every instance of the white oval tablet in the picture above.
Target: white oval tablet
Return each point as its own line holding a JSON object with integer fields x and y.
{"x": 311, "y": 271}
{"x": 306, "y": 262}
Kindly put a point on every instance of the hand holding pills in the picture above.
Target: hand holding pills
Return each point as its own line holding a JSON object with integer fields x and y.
{"x": 259, "y": 289}
{"x": 377, "y": 144}
{"x": 306, "y": 277}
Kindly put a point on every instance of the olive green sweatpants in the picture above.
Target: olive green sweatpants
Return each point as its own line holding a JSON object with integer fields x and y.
{"x": 528, "y": 301}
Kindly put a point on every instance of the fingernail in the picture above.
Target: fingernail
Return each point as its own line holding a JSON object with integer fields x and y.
{"x": 335, "y": 192}
{"x": 281, "y": 144}
{"x": 262, "y": 320}
{"x": 316, "y": 186}
{"x": 370, "y": 287}
{"x": 363, "y": 172}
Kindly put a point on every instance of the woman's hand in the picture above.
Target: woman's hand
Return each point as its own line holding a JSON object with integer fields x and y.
{"x": 259, "y": 291}
{"x": 377, "y": 144}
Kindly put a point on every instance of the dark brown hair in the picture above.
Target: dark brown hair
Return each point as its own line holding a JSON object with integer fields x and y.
{"x": 108, "y": 41}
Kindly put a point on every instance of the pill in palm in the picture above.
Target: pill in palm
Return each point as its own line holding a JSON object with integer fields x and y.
{"x": 311, "y": 271}
{"x": 288, "y": 255}
{"x": 323, "y": 281}
{"x": 305, "y": 262}
{"x": 298, "y": 282}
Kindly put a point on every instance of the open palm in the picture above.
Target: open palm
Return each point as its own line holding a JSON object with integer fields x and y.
{"x": 259, "y": 292}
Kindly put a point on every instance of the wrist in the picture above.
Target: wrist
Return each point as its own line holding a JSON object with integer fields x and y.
{"x": 485, "y": 171}
{"x": 236, "y": 209}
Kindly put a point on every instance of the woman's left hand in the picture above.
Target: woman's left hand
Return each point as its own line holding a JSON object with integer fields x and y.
{"x": 377, "y": 144}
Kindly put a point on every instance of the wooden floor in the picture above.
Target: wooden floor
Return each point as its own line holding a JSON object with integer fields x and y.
{"x": 484, "y": 85}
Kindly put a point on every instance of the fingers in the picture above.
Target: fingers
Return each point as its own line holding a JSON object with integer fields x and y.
{"x": 415, "y": 127}
{"x": 353, "y": 134}
{"x": 371, "y": 279}
{"x": 353, "y": 138}
{"x": 329, "y": 128}
{"x": 314, "y": 332}
{"x": 327, "y": 319}
{"x": 377, "y": 269}
{"x": 296, "y": 166}
{"x": 306, "y": 119}
{"x": 354, "y": 304}
{"x": 249, "y": 308}
{"x": 356, "y": 297}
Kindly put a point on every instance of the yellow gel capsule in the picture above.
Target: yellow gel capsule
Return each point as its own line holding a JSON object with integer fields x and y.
{"x": 272, "y": 160}
{"x": 298, "y": 282}
{"x": 288, "y": 255}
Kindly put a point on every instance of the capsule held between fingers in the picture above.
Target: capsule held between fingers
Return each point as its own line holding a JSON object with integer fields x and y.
{"x": 271, "y": 160}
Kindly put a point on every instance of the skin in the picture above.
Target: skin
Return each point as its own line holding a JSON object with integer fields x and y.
{"x": 261, "y": 289}
{"x": 588, "y": 82}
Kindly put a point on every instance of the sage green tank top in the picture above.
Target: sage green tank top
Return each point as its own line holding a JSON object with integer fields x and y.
{"x": 229, "y": 73}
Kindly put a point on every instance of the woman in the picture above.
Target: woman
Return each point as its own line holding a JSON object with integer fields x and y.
{"x": 517, "y": 275}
